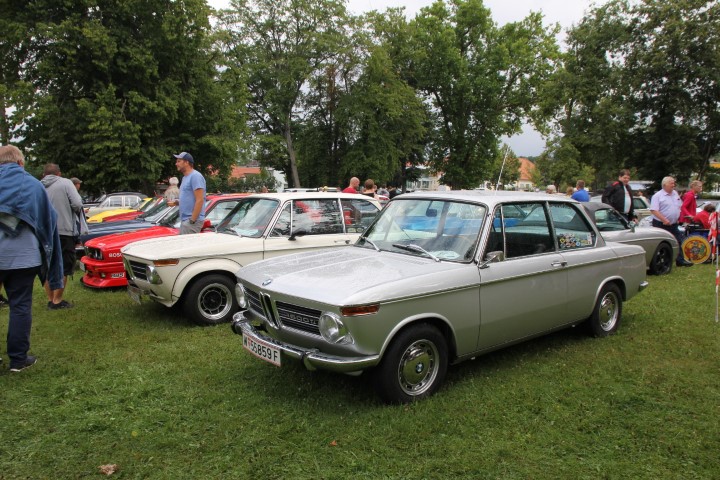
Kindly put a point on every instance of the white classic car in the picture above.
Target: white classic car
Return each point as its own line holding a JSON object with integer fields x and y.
{"x": 438, "y": 278}
{"x": 199, "y": 270}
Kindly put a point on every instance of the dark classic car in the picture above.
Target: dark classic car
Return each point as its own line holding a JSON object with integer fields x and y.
{"x": 438, "y": 278}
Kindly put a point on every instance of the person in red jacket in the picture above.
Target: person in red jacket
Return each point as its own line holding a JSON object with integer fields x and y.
{"x": 689, "y": 204}
{"x": 703, "y": 217}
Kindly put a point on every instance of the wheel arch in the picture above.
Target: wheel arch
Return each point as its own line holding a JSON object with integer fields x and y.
{"x": 199, "y": 269}
{"x": 438, "y": 321}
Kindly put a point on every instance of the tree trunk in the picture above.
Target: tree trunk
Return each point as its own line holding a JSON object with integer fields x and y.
{"x": 291, "y": 154}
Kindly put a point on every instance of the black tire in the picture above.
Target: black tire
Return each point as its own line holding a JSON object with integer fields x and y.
{"x": 662, "y": 260}
{"x": 210, "y": 300}
{"x": 414, "y": 366}
{"x": 605, "y": 318}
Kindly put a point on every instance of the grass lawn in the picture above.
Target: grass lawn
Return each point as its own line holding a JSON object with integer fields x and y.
{"x": 142, "y": 388}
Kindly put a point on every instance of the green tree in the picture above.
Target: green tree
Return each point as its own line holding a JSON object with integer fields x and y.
{"x": 482, "y": 81}
{"x": 505, "y": 170}
{"x": 120, "y": 86}
{"x": 282, "y": 43}
{"x": 595, "y": 115}
{"x": 640, "y": 87}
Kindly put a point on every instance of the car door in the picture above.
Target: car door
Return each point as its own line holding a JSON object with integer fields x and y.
{"x": 307, "y": 224}
{"x": 584, "y": 254}
{"x": 526, "y": 292}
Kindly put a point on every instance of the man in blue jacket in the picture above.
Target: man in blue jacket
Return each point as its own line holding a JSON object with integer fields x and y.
{"x": 29, "y": 246}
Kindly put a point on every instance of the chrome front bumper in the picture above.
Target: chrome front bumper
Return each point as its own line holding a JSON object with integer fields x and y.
{"x": 312, "y": 359}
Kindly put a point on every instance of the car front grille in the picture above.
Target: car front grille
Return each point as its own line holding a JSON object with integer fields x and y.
{"x": 288, "y": 315}
{"x": 299, "y": 318}
{"x": 139, "y": 270}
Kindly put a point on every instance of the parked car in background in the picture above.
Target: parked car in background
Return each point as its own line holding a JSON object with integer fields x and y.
{"x": 115, "y": 200}
{"x": 102, "y": 263}
{"x": 137, "y": 209}
{"x": 641, "y": 206}
{"x": 438, "y": 278}
{"x": 198, "y": 271}
{"x": 661, "y": 247}
{"x": 134, "y": 213}
{"x": 152, "y": 217}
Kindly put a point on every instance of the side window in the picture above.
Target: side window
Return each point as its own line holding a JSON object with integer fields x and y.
{"x": 317, "y": 216}
{"x": 571, "y": 228}
{"x": 357, "y": 214}
{"x": 609, "y": 220}
{"x": 115, "y": 202}
{"x": 521, "y": 229}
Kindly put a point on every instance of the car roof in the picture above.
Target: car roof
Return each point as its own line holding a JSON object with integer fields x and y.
{"x": 487, "y": 197}
{"x": 313, "y": 195}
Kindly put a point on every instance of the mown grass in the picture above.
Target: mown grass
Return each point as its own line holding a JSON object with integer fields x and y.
{"x": 142, "y": 388}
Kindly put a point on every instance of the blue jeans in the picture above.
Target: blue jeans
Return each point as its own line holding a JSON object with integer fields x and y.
{"x": 19, "y": 288}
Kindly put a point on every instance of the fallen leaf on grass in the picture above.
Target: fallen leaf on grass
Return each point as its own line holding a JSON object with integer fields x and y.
{"x": 333, "y": 443}
{"x": 108, "y": 469}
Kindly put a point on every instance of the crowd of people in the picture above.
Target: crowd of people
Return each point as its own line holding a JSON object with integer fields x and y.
{"x": 40, "y": 221}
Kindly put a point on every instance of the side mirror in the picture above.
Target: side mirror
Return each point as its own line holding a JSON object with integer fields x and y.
{"x": 492, "y": 257}
{"x": 300, "y": 232}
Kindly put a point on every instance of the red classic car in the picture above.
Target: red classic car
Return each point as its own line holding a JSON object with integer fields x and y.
{"x": 102, "y": 263}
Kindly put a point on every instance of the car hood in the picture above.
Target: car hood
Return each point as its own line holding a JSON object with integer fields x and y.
{"x": 117, "y": 240}
{"x": 195, "y": 245}
{"x": 355, "y": 275}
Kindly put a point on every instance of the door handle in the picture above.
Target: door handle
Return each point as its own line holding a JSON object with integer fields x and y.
{"x": 558, "y": 264}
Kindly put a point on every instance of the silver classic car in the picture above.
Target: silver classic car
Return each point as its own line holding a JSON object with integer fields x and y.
{"x": 438, "y": 278}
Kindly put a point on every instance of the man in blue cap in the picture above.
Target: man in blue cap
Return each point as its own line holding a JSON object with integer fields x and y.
{"x": 192, "y": 194}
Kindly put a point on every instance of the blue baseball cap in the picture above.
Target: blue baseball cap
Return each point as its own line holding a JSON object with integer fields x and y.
{"x": 184, "y": 156}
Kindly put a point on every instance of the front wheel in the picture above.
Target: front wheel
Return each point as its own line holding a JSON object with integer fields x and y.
{"x": 662, "y": 260}
{"x": 414, "y": 365}
{"x": 605, "y": 318}
{"x": 210, "y": 300}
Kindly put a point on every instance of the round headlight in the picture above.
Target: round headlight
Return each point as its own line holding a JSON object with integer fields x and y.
{"x": 152, "y": 275}
{"x": 333, "y": 329}
{"x": 240, "y": 296}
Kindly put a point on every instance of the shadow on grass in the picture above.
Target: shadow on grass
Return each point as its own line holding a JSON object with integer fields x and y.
{"x": 294, "y": 385}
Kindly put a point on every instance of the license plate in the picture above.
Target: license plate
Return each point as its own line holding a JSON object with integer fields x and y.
{"x": 262, "y": 350}
{"x": 134, "y": 293}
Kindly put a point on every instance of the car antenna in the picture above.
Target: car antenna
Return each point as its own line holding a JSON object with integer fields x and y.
{"x": 497, "y": 185}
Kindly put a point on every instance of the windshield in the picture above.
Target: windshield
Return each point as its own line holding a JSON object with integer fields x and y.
{"x": 439, "y": 229}
{"x": 151, "y": 214}
{"x": 171, "y": 218}
{"x": 250, "y": 217}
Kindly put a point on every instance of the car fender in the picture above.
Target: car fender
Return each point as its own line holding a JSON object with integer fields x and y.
{"x": 202, "y": 267}
{"x": 433, "y": 318}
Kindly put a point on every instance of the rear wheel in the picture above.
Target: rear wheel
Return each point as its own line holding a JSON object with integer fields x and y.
{"x": 605, "y": 318}
{"x": 414, "y": 365}
{"x": 210, "y": 300}
{"x": 662, "y": 260}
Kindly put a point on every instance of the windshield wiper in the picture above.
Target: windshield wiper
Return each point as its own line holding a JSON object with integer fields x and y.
{"x": 415, "y": 248}
{"x": 365, "y": 239}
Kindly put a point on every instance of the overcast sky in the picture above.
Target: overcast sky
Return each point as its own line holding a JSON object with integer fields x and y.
{"x": 564, "y": 12}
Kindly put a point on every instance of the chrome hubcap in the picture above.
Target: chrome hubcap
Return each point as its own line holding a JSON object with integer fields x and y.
{"x": 418, "y": 367}
{"x": 608, "y": 314}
